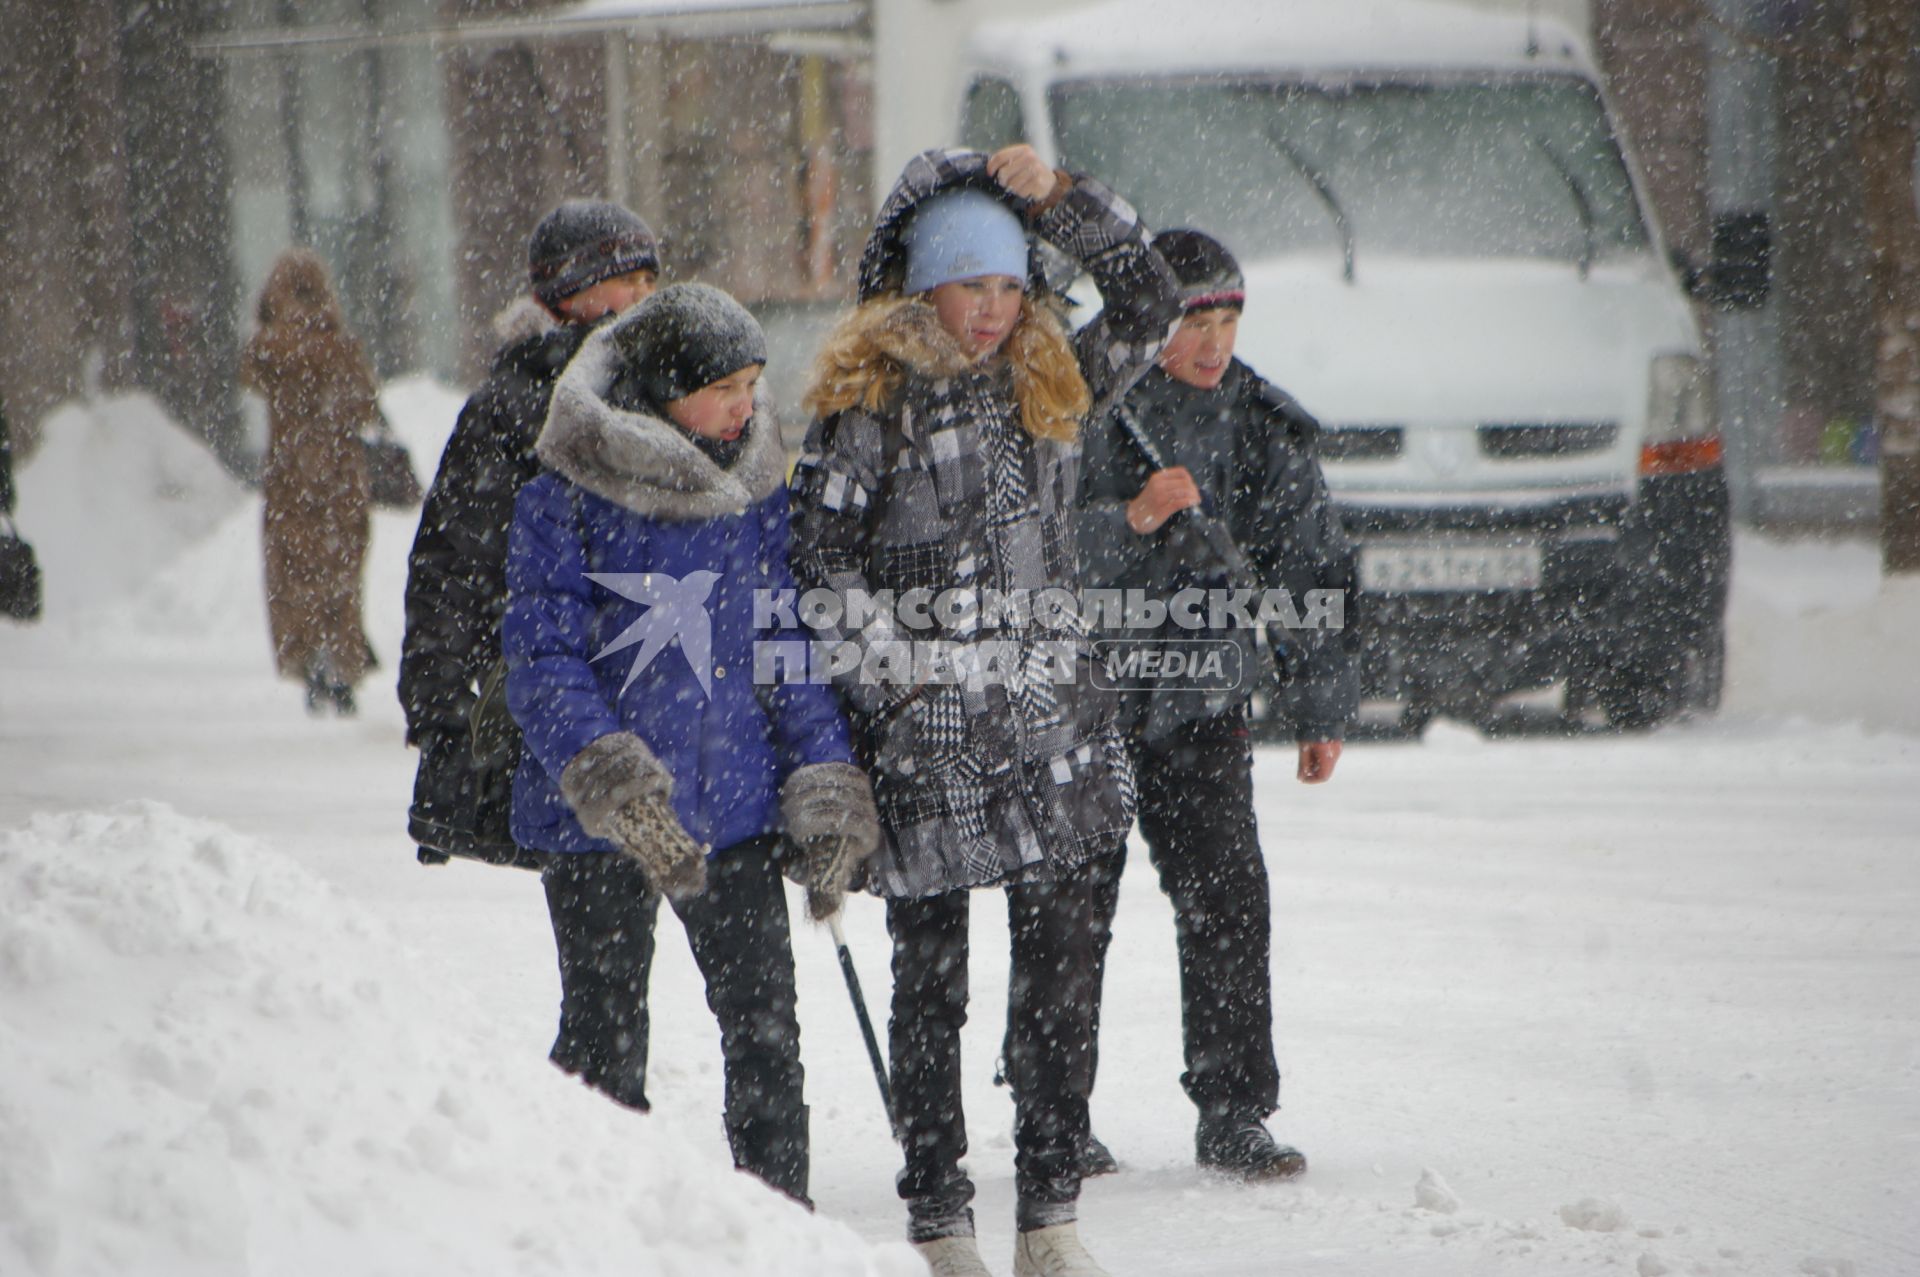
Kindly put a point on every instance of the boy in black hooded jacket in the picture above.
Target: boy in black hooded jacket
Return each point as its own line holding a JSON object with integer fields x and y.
{"x": 587, "y": 261}
{"x": 1203, "y": 432}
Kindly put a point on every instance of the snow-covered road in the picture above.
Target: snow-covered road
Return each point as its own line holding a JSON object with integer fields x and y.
{"x": 1546, "y": 1006}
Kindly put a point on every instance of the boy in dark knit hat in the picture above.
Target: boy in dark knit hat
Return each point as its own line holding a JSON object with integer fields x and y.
{"x": 1203, "y": 432}
{"x": 587, "y": 260}
{"x": 658, "y": 763}
{"x": 584, "y": 244}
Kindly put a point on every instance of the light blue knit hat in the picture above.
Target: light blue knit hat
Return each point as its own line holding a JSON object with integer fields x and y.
{"x": 963, "y": 235}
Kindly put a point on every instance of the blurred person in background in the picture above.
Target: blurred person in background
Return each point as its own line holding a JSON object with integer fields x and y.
{"x": 320, "y": 393}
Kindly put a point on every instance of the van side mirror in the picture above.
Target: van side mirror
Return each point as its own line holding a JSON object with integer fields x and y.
{"x": 1740, "y": 276}
{"x": 1692, "y": 277}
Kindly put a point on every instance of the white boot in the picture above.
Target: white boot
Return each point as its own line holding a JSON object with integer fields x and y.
{"x": 1053, "y": 1252}
{"x": 953, "y": 1257}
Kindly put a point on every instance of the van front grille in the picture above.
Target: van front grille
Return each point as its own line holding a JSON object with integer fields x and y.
{"x": 1513, "y": 442}
{"x": 1360, "y": 443}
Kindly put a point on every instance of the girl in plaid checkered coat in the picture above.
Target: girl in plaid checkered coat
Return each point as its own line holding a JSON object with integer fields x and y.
{"x": 941, "y": 467}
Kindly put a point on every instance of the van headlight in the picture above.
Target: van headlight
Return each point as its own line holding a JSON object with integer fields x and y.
{"x": 1682, "y": 435}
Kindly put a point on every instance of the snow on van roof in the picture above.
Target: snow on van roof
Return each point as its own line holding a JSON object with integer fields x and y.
{"x": 1315, "y": 35}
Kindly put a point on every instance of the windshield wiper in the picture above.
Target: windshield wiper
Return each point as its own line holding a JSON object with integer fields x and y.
{"x": 1580, "y": 201}
{"x": 1322, "y": 188}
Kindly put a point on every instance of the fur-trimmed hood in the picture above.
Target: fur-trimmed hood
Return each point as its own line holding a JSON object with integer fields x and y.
{"x": 865, "y": 360}
{"x": 643, "y": 462}
{"x": 883, "y": 262}
{"x": 523, "y": 319}
{"x": 890, "y": 336}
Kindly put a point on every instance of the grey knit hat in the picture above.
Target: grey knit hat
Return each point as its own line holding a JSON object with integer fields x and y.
{"x": 683, "y": 338}
{"x": 584, "y": 242}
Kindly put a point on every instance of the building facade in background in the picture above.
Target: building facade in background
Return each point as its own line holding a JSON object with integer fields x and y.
{"x": 160, "y": 153}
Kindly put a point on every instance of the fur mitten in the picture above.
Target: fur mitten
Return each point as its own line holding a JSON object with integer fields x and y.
{"x": 830, "y": 815}
{"x": 647, "y": 831}
{"x": 831, "y": 865}
{"x": 620, "y": 791}
{"x": 609, "y": 774}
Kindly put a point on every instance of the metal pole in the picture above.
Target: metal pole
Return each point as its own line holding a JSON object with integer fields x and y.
{"x": 619, "y": 66}
{"x": 866, "y": 1024}
{"x": 299, "y": 224}
{"x": 1741, "y": 154}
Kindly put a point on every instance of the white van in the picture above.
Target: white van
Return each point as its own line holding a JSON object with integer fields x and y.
{"x": 1449, "y": 262}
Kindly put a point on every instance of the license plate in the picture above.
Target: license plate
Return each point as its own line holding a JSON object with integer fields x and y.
{"x": 1413, "y": 569}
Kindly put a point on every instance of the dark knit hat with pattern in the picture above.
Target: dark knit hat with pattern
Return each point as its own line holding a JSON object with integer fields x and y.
{"x": 1208, "y": 275}
{"x": 683, "y": 338}
{"x": 584, "y": 242}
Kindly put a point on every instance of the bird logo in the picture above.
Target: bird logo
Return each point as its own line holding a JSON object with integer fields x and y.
{"x": 676, "y": 608}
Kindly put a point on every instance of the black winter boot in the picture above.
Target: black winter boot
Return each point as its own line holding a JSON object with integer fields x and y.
{"x": 317, "y": 686}
{"x": 1096, "y": 1158}
{"x": 773, "y": 1148}
{"x": 1241, "y": 1147}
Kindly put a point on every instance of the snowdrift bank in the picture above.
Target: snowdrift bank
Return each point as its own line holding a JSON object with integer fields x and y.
{"x": 218, "y": 1065}
{"x": 116, "y": 492}
{"x": 1814, "y": 631}
{"x": 198, "y": 585}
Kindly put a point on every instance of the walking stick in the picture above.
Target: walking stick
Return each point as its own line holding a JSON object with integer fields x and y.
{"x": 866, "y": 1024}
{"x": 1212, "y": 530}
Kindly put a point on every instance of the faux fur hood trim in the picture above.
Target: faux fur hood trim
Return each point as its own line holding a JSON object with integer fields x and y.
{"x": 523, "y": 319}
{"x": 864, "y": 358}
{"x": 642, "y": 462}
{"x": 871, "y": 351}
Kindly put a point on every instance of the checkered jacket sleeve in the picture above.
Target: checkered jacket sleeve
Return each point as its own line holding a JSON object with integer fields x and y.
{"x": 832, "y": 490}
{"x": 1141, "y": 298}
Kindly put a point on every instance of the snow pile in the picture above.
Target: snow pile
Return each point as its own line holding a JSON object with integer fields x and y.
{"x": 1594, "y": 1215}
{"x": 116, "y": 491}
{"x": 210, "y": 595}
{"x": 421, "y": 412}
{"x": 1435, "y": 1194}
{"x": 218, "y": 1065}
{"x": 1815, "y": 631}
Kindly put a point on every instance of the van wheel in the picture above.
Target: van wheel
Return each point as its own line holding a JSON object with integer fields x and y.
{"x": 1708, "y": 670}
{"x": 1415, "y": 717}
{"x": 1637, "y": 704}
{"x": 1656, "y": 683}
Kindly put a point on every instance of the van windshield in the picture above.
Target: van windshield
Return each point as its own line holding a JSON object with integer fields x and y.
{"x": 1518, "y": 167}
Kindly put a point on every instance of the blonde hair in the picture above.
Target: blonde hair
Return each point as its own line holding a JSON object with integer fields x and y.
{"x": 872, "y": 351}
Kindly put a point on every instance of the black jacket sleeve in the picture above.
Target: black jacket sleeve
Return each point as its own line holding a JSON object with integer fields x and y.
{"x": 1112, "y": 472}
{"x": 456, "y": 573}
{"x": 1285, "y": 523}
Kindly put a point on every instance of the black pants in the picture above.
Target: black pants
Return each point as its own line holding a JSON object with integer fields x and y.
{"x": 603, "y": 918}
{"x": 1051, "y": 1006}
{"x": 1196, "y": 815}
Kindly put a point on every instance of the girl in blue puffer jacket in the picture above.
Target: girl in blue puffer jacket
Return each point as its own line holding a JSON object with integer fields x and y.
{"x": 655, "y": 759}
